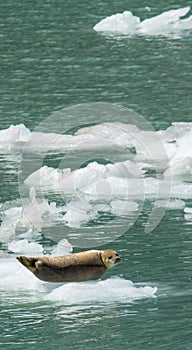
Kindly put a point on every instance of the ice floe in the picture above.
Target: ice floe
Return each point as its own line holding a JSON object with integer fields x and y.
{"x": 15, "y": 134}
{"x": 171, "y": 204}
{"x": 113, "y": 289}
{"x": 23, "y": 246}
{"x": 127, "y": 24}
{"x": 160, "y": 168}
{"x": 27, "y": 221}
{"x": 15, "y": 277}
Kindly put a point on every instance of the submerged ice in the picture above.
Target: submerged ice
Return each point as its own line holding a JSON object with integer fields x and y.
{"x": 126, "y": 23}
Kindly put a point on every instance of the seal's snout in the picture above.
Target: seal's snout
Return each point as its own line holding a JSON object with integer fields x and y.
{"x": 118, "y": 259}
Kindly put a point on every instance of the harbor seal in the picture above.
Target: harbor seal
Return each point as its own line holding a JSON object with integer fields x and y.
{"x": 78, "y": 267}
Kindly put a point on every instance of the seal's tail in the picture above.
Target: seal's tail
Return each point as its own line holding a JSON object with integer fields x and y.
{"x": 29, "y": 263}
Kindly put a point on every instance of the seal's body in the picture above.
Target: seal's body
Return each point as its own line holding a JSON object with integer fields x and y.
{"x": 83, "y": 266}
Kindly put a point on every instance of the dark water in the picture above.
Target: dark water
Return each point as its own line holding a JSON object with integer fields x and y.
{"x": 50, "y": 59}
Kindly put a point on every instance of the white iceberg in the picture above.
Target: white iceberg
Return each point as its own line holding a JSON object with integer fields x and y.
{"x": 126, "y": 23}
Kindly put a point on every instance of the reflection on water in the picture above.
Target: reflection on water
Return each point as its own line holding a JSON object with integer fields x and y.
{"x": 138, "y": 324}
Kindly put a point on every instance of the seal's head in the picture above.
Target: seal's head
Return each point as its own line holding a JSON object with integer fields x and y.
{"x": 110, "y": 258}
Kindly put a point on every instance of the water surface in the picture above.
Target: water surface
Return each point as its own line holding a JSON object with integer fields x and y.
{"x": 51, "y": 58}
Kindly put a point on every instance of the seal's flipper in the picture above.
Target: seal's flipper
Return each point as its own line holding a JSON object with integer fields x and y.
{"x": 29, "y": 263}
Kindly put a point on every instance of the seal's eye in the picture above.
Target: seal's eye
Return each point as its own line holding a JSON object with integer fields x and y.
{"x": 110, "y": 257}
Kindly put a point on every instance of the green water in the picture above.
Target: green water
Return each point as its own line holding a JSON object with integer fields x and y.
{"x": 50, "y": 59}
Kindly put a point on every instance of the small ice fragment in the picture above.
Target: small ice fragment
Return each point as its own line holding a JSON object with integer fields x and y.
{"x": 79, "y": 212}
{"x": 15, "y": 133}
{"x": 171, "y": 204}
{"x": 188, "y": 210}
{"x": 164, "y": 22}
{"x": 63, "y": 247}
{"x": 123, "y": 208}
{"x": 180, "y": 169}
{"x": 25, "y": 247}
{"x": 124, "y": 23}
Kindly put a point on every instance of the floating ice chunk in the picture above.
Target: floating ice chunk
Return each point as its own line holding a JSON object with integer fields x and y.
{"x": 186, "y": 23}
{"x": 69, "y": 182}
{"x": 181, "y": 190}
{"x": 127, "y": 169}
{"x": 40, "y": 141}
{"x": 149, "y": 147}
{"x": 91, "y": 173}
{"x": 33, "y": 216}
{"x": 3, "y": 254}
{"x": 80, "y": 178}
{"x": 32, "y": 213}
{"x": 124, "y": 23}
{"x": 165, "y": 22}
{"x": 65, "y": 180}
{"x": 47, "y": 177}
{"x": 10, "y": 219}
{"x": 50, "y": 179}
{"x": 188, "y": 210}
{"x": 102, "y": 208}
{"x": 39, "y": 213}
{"x": 175, "y": 131}
{"x": 25, "y": 247}
{"x": 181, "y": 169}
{"x": 123, "y": 208}
{"x": 109, "y": 131}
{"x": 170, "y": 149}
{"x": 170, "y": 204}
{"x": 116, "y": 133}
{"x": 15, "y": 277}
{"x": 188, "y": 217}
{"x": 114, "y": 289}
{"x": 95, "y": 173}
{"x": 114, "y": 188}
{"x": 79, "y": 212}
{"x": 188, "y": 214}
{"x": 29, "y": 234}
{"x": 127, "y": 23}
{"x": 14, "y": 134}
{"x": 63, "y": 247}
{"x": 106, "y": 189}
{"x": 49, "y": 142}
{"x": 184, "y": 147}
{"x": 33, "y": 248}
{"x": 177, "y": 142}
